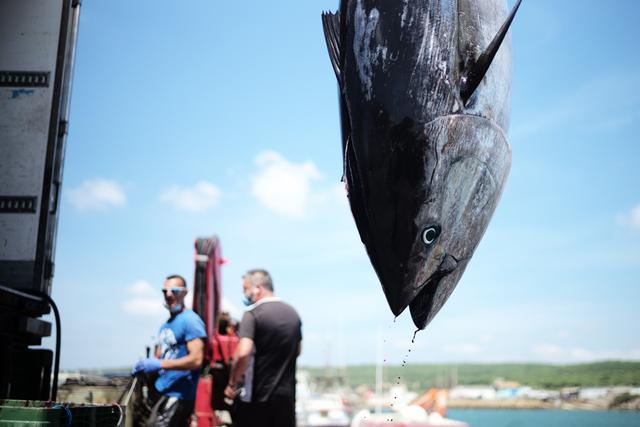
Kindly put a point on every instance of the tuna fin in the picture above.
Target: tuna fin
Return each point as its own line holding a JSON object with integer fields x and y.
{"x": 473, "y": 75}
{"x": 345, "y": 129}
{"x": 331, "y": 27}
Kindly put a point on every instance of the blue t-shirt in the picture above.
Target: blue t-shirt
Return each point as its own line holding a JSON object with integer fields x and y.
{"x": 172, "y": 340}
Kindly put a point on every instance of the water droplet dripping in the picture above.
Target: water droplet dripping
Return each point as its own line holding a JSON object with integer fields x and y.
{"x": 413, "y": 340}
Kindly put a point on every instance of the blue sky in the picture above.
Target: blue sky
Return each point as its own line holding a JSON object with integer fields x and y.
{"x": 200, "y": 118}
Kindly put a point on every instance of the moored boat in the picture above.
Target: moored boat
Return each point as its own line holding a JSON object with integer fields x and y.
{"x": 409, "y": 416}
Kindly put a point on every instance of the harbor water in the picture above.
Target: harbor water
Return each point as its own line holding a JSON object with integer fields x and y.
{"x": 544, "y": 418}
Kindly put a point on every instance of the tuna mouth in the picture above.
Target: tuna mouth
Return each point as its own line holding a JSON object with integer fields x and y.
{"x": 448, "y": 264}
{"x": 425, "y": 305}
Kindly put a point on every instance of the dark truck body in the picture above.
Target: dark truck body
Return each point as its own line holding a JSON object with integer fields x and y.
{"x": 37, "y": 47}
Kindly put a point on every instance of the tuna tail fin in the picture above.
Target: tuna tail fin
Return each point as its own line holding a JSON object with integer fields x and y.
{"x": 472, "y": 77}
{"x": 331, "y": 27}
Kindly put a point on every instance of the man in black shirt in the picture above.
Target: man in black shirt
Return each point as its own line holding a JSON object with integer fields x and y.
{"x": 263, "y": 375}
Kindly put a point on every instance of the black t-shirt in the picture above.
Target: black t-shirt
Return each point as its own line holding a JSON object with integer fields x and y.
{"x": 275, "y": 329}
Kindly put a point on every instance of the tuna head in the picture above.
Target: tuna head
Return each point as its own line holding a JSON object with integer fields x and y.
{"x": 424, "y": 107}
{"x": 423, "y": 209}
{"x": 471, "y": 161}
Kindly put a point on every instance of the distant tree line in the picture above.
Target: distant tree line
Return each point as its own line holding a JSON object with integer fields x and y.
{"x": 422, "y": 377}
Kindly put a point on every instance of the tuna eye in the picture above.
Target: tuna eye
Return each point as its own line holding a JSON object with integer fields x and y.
{"x": 429, "y": 235}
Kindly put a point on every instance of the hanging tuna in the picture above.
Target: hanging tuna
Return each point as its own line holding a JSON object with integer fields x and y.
{"x": 424, "y": 89}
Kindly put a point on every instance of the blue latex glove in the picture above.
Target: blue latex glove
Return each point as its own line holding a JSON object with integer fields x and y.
{"x": 147, "y": 366}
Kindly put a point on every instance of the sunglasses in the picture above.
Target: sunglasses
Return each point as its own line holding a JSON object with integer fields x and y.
{"x": 174, "y": 291}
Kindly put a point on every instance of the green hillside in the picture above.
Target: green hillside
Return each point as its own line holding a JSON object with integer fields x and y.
{"x": 420, "y": 377}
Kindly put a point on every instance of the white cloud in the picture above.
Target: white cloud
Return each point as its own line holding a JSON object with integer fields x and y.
{"x": 141, "y": 288}
{"x": 631, "y": 218}
{"x": 635, "y": 217}
{"x": 336, "y": 194}
{"x": 199, "y": 198}
{"x": 554, "y": 353}
{"x": 97, "y": 194}
{"x": 465, "y": 349}
{"x": 486, "y": 338}
{"x": 145, "y": 300}
{"x": 584, "y": 355}
{"x": 282, "y": 186}
{"x": 231, "y": 308}
{"x": 548, "y": 351}
{"x": 143, "y": 307}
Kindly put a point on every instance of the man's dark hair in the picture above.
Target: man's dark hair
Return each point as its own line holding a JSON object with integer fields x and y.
{"x": 259, "y": 276}
{"x": 177, "y": 276}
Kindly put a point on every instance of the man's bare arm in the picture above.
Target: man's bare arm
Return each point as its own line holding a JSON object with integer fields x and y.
{"x": 193, "y": 360}
{"x": 240, "y": 363}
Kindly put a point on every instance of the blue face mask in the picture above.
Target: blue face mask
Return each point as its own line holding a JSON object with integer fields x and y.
{"x": 248, "y": 300}
{"x": 175, "y": 309}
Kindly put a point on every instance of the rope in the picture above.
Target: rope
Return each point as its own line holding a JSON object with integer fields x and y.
{"x": 68, "y": 411}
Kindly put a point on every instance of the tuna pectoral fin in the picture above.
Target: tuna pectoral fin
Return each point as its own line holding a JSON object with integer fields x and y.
{"x": 331, "y": 27}
{"x": 473, "y": 75}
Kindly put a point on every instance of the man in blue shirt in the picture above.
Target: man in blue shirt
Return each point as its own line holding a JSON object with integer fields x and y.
{"x": 178, "y": 358}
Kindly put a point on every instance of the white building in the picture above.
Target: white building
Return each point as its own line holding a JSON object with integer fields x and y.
{"x": 530, "y": 393}
{"x": 473, "y": 392}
